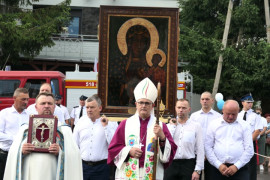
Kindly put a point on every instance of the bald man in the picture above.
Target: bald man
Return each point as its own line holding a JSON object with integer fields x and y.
{"x": 47, "y": 88}
{"x": 228, "y": 145}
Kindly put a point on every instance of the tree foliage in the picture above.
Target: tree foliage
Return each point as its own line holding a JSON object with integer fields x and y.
{"x": 26, "y": 32}
{"x": 247, "y": 56}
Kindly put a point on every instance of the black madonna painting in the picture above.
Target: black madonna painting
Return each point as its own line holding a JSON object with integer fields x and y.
{"x": 136, "y": 43}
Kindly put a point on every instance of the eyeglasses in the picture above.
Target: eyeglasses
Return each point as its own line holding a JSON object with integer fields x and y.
{"x": 144, "y": 103}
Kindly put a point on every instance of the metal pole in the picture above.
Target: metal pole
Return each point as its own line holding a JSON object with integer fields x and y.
{"x": 191, "y": 89}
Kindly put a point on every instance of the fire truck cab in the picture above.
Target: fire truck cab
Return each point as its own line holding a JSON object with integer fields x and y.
{"x": 32, "y": 80}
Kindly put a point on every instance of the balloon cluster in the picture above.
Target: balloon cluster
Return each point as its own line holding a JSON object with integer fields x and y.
{"x": 220, "y": 101}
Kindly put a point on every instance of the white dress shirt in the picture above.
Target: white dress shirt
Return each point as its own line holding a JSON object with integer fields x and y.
{"x": 253, "y": 119}
{"x": 229, "y": 143}
{"x": 57, "y": 112}
{"x": 189, "y": 140}
{"x": 264, "y": 122}
{"x": 64, "y": 111}
{"x": 204, "y": 118}
{"x": 93, "y": 139}
{"x": 75, "y": 113}
{"x": 10, "y": 121}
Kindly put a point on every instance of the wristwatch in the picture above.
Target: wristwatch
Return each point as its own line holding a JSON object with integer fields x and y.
{"x": 198, "y": 171}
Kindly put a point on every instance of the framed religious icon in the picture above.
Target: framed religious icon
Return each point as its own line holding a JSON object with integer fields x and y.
{"x": 42, "y": 131}
{"x": 134, "y": 43}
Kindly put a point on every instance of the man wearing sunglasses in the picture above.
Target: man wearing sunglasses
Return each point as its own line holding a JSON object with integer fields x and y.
{"x": 131, "y": 148}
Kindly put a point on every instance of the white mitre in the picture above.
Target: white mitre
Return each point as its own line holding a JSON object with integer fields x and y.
{"x": 146, "y": 89}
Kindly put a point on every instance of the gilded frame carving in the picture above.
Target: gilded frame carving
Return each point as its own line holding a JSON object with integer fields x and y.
{"x": 118, "y": 28}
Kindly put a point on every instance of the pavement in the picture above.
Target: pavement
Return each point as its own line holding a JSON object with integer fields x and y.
{"x": 263, "y": 174}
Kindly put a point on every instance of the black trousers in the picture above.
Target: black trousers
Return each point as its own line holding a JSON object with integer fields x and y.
{"x": 252, "y": 165}
{"x": 3, "y": 160}
{"x": 97, "y": 172}
{"x": 241, "y": 174}
{"x": 180, "y": 169}
{"x": 208, "y": 170}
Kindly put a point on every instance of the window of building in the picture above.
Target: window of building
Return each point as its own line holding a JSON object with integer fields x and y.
{"x": 74, "y": 26}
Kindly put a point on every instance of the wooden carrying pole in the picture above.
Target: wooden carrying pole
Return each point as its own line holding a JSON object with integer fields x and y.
{"x": 224, "y": 43}
{"x": 156, "y": 140}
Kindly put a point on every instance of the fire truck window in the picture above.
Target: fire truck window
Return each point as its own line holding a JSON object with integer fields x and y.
{"x": 33, "y": 86}
{"x": 55, "y": 86}
{"x": 8, "y": 87}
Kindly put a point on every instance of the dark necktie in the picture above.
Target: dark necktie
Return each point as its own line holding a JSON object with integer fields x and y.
{"x": 81, "y": 112}
{"x": 245, "y": 116}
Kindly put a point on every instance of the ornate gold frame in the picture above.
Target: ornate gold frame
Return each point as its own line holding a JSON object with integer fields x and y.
{"x": 113, "y": 26}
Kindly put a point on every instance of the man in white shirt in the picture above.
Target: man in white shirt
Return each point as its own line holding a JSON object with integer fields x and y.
{"x": 205, "y": 116}
{"x": 254, "y": 120}
{"x": 46, "y": 87}
{"x": 58, "y": 101}
{"x": 228, "y": 145}
{"x": 78, "y": 111}
{"x": 188, "y": 137}
{"x": 262, "y": 137}
{"x": 10, "y": 120}
{"x": 93, "y": 135}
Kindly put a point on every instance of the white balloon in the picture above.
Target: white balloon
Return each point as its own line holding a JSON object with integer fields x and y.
{"x": 219, "y": 97}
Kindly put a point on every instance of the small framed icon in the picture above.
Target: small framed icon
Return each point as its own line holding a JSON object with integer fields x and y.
{"x": 42, "y": 132}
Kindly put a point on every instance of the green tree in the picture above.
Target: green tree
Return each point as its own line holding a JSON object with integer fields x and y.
{"x": 26, "y": 32}
{"x": 247, "y": 56}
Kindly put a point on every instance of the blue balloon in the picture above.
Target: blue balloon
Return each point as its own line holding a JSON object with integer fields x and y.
{"x": 220, "y": 104}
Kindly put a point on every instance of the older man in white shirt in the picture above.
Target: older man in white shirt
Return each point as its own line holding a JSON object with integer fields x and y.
{"x": 47, "y": 88}
{"x": 228, "y": 145}
{"x": 93, "y": 135}
{"x": 10, "y": 120}
{"x": 188, "y": 137}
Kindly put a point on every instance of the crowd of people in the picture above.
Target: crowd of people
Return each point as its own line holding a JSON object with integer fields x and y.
{"x": 207, "y": 145}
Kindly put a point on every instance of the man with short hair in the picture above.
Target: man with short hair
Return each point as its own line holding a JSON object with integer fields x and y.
{"x": 254, "y": 120}
{"x": 132, "y": 147}
{"x": 93, "y": 135}
{"x": 10, "y": 120}
{"x": 204, "y": 117}
{"x": 59, "y": 163}
{"x": 46, "y": 88}
{"x": 228, "y": 145}
{"x": 188, "y": 136}
{"x": 78, "y": 111}
{"x": 58, "y": 102}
